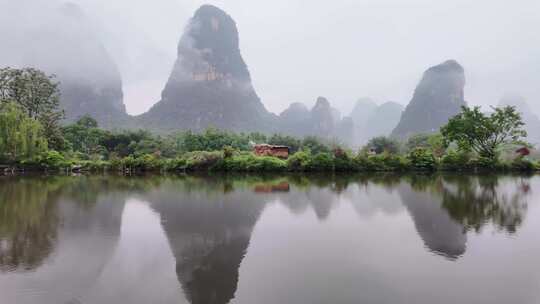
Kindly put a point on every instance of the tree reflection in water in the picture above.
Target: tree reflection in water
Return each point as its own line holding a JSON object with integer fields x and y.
{"x": 477, "y": 201}
{"x": 445, "y": 207}
{"x": 28, "y": 222}
{"x": 209, "y": 220}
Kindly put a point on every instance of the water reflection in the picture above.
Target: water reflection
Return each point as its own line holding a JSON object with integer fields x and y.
{"x": 208, "y": 238}
{"x": 56, "y": 234}
{"x": 51, "y": 226}
{"x": 27, "y": 227}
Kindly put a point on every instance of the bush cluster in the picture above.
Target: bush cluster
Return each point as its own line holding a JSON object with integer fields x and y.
{"x": 230, "y": 160}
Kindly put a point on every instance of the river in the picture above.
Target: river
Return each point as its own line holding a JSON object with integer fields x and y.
{"x": 245, "y": 239}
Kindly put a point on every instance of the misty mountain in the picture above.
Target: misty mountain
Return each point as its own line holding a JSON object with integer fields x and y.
{"x": 383, "y": 119}
{"x": 210, "y": 84}
{"x": 295, "y": 120}
{"x": 438, "y": 97}
{"x": 532, "y": 122}
{"x": 322, "y": 120}
{"x": 363, "y": 108}
{"x": 372, "y": 120}
{"x": 64, "y": 43}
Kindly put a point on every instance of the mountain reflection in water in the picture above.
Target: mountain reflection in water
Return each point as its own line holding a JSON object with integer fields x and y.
{"x": 189, "y": 239}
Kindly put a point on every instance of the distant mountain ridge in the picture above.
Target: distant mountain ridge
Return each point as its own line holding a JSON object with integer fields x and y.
{"x": 211, "y": 86}
{"x": 322, "y": 120}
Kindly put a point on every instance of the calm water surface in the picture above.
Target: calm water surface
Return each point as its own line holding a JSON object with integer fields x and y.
{"x": 281, "y": 239}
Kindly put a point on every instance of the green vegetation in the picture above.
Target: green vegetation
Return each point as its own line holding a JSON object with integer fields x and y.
{"x": 38, "y": 95}
{"x": 31, "y": 138}
{"x": 21, "y": 137}
{"x": 472, "y": 130}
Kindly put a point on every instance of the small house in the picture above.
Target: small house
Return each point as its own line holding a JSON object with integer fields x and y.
{"x": 271, "y": 150}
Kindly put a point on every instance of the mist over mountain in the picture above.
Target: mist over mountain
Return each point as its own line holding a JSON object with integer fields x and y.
{"x": 63, "y": 42}
{"x": 383, "y": 119}
{"x": 531, "y": 120}
{"x": 295, "y": 120}
{"x": 210, "y": 84}
{"x": 438, "y": 97}
{"x": 322, "y": 120}
{"x": 372, "y": 120}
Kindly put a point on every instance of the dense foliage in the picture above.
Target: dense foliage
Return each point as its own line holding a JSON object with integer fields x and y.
{"x": 38, "y": 95}
{"x": 32, "y": 138}
{"x": 21, "y": 137}
{"x": 484, "y": 134}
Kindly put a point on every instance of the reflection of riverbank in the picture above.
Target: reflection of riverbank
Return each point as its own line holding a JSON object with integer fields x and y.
{"x": 208, "y": 224}
{"x": 85, "y": 228}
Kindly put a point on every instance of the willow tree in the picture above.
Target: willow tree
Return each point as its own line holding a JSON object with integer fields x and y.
{"x": 21, "y": 137}
{"x": 38, "y": 95}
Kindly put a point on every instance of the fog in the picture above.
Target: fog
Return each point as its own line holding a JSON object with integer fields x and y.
{"x": 297, "y": 50}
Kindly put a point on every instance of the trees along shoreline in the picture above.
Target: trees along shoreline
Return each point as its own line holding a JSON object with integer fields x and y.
{"x": 33, "y": 139}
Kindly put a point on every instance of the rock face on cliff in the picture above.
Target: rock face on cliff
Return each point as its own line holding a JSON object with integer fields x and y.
{"x": 210, "y": 84}
{"x": 532, "y": 122}
{"x": 438, "y": 97}
{"x": 64, "y": 43}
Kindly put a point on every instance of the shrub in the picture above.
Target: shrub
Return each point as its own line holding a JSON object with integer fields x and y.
{"x": 202, "y": 160}
{"x": 376, "y": 163}
{"x": 228, "y": 151}
{"x": 147, "y": 162}
{"x": 321, "y": 162}
{"x": 342, "y": 161}
{"x": 53, "y": 160}
{"x": 128, "y": 163}
{"x": 299, "y": 161}
{"x": 250, "y": 163}
{"x": 176, "y": 164}
{"x": 422, "y": 159}
{"x": 396, "y": 163}
{"x": 455, "y": 161}
{"x": 521, "y": 164}
{"x": 383, "y": 144}
{"x": 484, "y": 163}
{"x": 95, "y": 166}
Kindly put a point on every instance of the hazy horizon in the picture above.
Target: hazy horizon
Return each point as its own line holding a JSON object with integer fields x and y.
{"x": 299, "y": 50}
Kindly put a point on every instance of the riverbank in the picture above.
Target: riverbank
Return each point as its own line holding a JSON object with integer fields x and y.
{"x": 223, "y": 161}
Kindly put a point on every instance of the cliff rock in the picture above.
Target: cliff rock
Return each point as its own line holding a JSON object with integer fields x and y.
{"x": 438, "y": 97}
{"x": 210, "y": 84}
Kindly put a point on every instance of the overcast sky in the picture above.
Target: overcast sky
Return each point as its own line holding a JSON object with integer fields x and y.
{"x": 342, "y": 49}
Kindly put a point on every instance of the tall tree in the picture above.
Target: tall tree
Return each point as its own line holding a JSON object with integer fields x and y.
{"x": 38, "y": 94}
{"x": 484, "y": 134}
{"x": 21, "y": 137}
